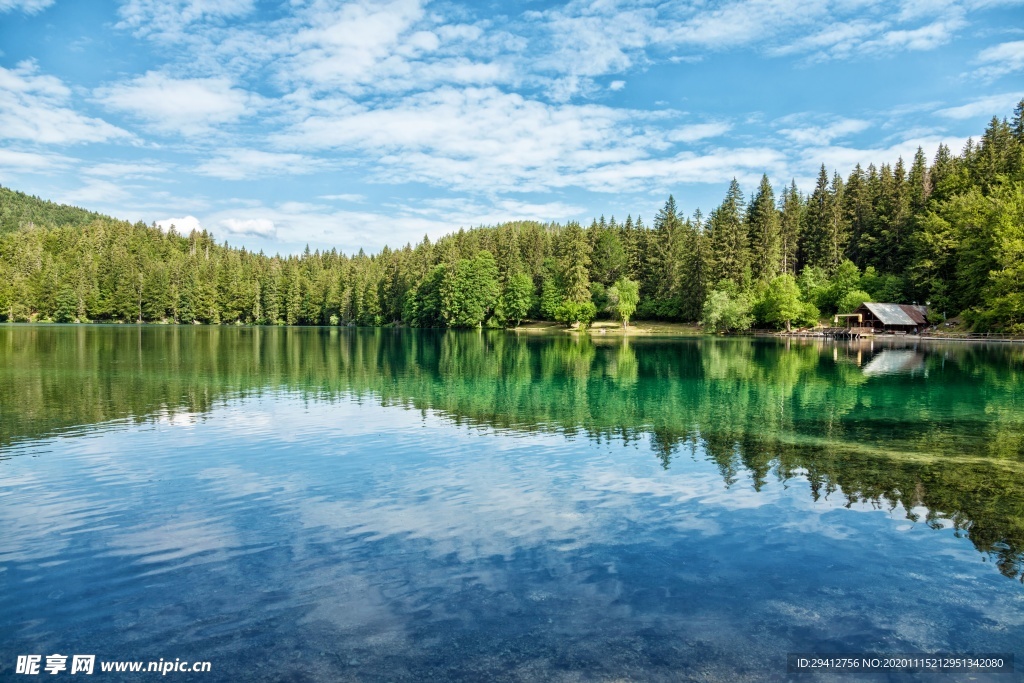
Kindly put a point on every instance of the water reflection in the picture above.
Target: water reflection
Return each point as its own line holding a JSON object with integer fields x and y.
{"x": 895, "y": 362}
{"x": 937, "y": 430}
{"x": 374, "y": 505}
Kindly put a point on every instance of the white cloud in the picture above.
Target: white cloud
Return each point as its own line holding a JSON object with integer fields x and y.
{"x": 838, "y": 40}
{"x": 1002, "y": 59}
{"x": 927, "y": 37}
{"x": 182, "y": 226}
{"x": 13, "y": 161}
{"x": 26, "y": 6}
{"x": 257, "y": 227}
{"x": 169, "y": 18}
{"x": 617, "y": 85}
{"x": 843, "y": 158}
{"x": 744, "y": 22}
{"x": 852, "y": 28}
{"x": 241, "y": 164}
{"x": 992, "y": 105}
{"x": 699, "y": 131}
{"x": 357, "y": 43}
{"x": 189, "y": 106}
{"x": 35, "y": 107}
{"x": 355, "y": 198}
{"x": 294, "y": 224}
{"x": 487, "y": 141}
{"x": 459, "y": 211}
{"x": 97, "y": 193}
{"x": 817, "y": 135}
{"x": 478, "y": 138}
{"x": 124, "y": 171}
{"x": 661, "y": 174}
{"x": 583, "y": 40}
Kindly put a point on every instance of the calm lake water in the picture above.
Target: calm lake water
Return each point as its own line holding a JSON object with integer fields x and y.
{"x": 378, "y": 505}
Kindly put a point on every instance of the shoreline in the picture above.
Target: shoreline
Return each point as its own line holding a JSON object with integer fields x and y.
{"x": 603, "y": 328}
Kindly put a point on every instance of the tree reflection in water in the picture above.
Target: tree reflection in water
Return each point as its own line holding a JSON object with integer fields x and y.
{"x": 937, "y": 429}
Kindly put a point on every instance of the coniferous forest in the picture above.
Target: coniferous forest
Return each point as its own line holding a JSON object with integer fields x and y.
{"x": 946, "y": 231}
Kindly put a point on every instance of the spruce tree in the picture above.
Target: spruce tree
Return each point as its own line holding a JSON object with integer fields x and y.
{"x": 765, "y": 233}
{"x": 790, "y": 223}
{"x": 574, "y": 263}
{"x": 729, "y": 242}
{"x": 814, "y": 244}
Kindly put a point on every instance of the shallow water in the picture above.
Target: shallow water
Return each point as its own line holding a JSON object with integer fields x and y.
{"x": 313, "y": 504}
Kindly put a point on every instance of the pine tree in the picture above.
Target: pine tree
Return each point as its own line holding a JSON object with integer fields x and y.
{"x": 859, "y": 214}
{"x": 608, "y": 258}
{"x": 838, "y": 227}
{"x": 765, "y": 233}
{"x": 695, "y": 270}
{"x": 920, "y": 183}
{"x": 790, "y": 223}
{"x": 729, "y": 243}
{"x": 573, "y": 262}
{"x": 815, "y": 246}
{"x": 665, "y": 256}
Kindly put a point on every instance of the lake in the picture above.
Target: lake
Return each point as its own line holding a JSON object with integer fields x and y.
{"x": 313, "y": 504}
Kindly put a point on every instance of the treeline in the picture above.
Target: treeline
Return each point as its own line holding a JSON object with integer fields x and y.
{"x": 949, "y": 233}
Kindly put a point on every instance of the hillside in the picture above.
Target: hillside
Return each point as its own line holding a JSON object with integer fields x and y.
{"x": 19, "y": 210}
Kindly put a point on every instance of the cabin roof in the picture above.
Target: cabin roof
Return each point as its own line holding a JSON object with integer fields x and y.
{"x": 893, "y": 314}
{"x": 919, "y": 314}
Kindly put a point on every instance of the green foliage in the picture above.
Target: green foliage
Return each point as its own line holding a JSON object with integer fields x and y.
{"x": 765, "y": 234}
{"x": 814, "y": 284}
{"x": 550, "y": 290}
{"x": 852, "y": 300}
{"x": 67, "y": 306}
{"x": 886, "y": 288}
{"x": 781, "y": 303}
{"x": 1003, "y": 307}
{"x": 423, "y": 301}
{"x": 599, "y": 296}
{"x": 19, "y": 211}
{"x": 571, "y": 313}
{"x": 517, "y": 297}
{"x": 470, "y": 291}
{"x": 846, "y": 279}
{"x": 730, "y": 242}
{"x": 608, "y": 260}
{"x": 808, "y": 315}
{"x": 623, "y": 298}
{"x": 573, "y": 263}
{"x": 727, "y": 310}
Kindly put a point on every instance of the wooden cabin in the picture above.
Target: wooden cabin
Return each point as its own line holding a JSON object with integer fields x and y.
{"x": 894, "y": 318}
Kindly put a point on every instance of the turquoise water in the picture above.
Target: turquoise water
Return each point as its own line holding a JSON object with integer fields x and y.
{"x": 312, "y": 504}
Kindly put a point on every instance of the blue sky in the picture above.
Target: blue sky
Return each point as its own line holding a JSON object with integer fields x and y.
{"x": 353, "y": 124}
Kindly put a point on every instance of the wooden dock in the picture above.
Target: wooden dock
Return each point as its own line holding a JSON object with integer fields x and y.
{"x": 848, "y": 332}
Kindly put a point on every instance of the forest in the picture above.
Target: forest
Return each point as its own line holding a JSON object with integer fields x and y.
{"x": 946, "y": 232}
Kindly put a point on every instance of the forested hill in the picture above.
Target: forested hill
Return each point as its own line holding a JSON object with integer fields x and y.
{"x": 946, "y": 231}
{"x": 20, "y": 211}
